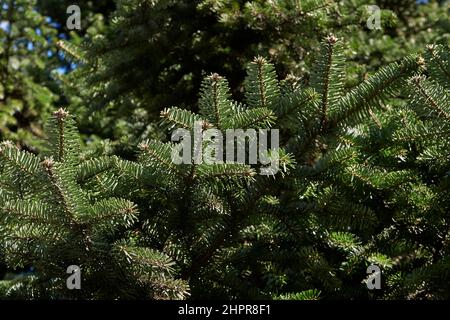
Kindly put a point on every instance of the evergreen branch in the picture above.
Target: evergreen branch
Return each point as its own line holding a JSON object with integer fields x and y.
{"x": 262, "y": 89}
{"x": 72, "y": 50}
{"x": 30, "y": 211}
{"x": 66, "y": 192}
{"x": 438, "y": 63}
{"x": 223, "y": 171}
{"x": 328, "y": 75}
{"x": 434, "y": 96}
{"x": 24, "y": 161}
{"x": 158, "y": 155}
{"x": 179, "y": 118}
{"x": 370, "y": 92}
{"x": 94, "y": 167}
{"x": 111, "y": 212}
{"x": 64, "y": 140}
{"x": 252, "y": 118}
{"x": 129, "y": 168}
{"x": 214, "y": 103}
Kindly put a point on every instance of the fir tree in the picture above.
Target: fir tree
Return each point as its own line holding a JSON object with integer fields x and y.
{"x": 364, "y": 160}
{"x": 54, "y": 214}
{"x": 423, "y": 222}
{"x": 124, "y": 75}
{"x": 321, "y": 221}
{"x": 212, "y": 200}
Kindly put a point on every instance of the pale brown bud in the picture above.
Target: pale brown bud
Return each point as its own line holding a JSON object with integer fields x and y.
{"x": 331, "y": 39}
{"x": 61, "y": 113}
{"x": 48, "y": 163}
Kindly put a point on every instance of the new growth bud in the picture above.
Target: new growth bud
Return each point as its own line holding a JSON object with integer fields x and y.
{"x": 331, "y": 39}
{"x": 61, "y": 114}
{"x": 48, "y": 163}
